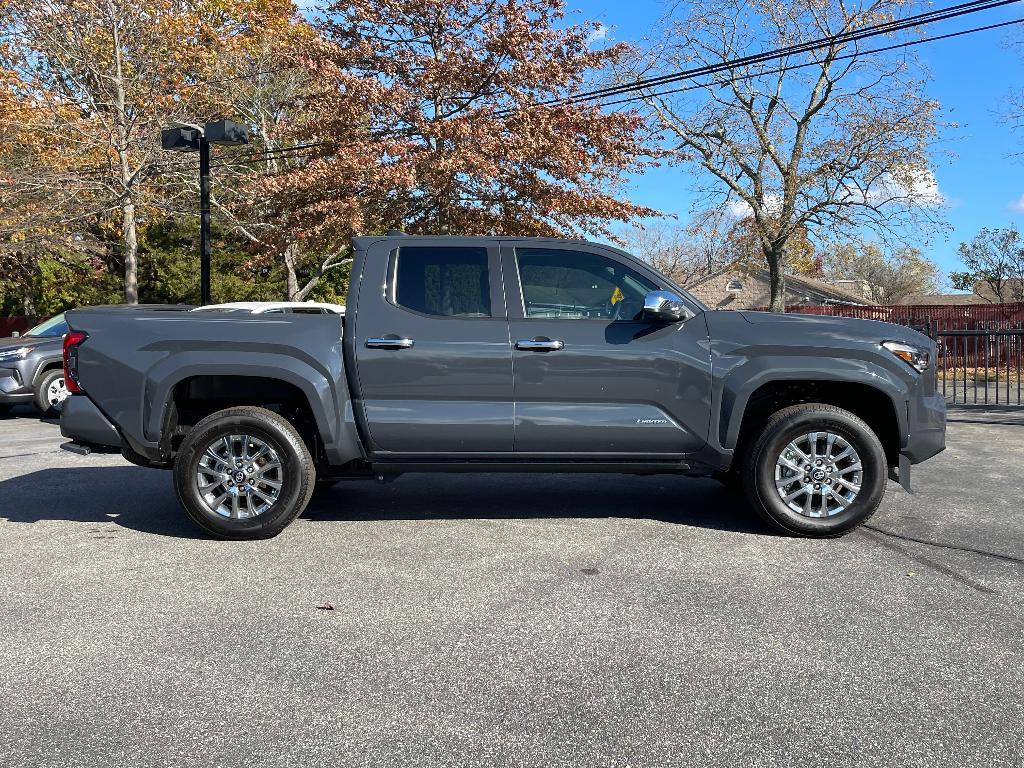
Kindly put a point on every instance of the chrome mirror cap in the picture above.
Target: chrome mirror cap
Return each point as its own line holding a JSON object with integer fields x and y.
{"x": 664, "y": 305}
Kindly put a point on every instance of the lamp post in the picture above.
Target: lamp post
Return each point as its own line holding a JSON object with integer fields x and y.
{"x": 193, "y": 138}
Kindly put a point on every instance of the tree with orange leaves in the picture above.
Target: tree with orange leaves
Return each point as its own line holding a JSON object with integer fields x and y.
{"x": 443, "y": 116}
{"x": 89, "y": 84}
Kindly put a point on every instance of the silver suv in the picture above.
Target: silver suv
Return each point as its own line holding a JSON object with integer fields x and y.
{"x": 32, "y": 368}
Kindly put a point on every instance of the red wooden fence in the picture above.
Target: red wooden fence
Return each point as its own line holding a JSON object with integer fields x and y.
{"x": 963, "y": 317}
{"x": 9, "y": 325}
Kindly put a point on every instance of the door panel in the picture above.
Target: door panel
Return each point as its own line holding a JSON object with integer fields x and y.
{"x": 450, "y": 390}
{"x": 620, "y": 387}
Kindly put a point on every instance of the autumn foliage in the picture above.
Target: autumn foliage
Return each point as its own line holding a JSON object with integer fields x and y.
{"x": 429, "y": 115}
{"x": 433, "y": 119}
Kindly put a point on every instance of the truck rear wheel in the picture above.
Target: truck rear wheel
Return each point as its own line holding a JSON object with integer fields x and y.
{"x": 244, "y": 473}
{"x": 815, "y": 470}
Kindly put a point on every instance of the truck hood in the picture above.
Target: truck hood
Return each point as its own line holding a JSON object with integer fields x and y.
{"x": 791, "y": 326}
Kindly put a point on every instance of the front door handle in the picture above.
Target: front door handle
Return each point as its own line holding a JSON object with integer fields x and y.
{"x": 540, "y": 344}
{"x": 392, "y": 342}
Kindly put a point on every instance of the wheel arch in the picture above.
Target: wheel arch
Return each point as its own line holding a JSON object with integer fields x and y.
{"x": 45, "y": 366}
{"x": 320, "y": 407}
{"x": 878, "y": 406}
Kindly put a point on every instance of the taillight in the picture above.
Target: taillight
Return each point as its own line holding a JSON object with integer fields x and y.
{"x": 71, "y": 341}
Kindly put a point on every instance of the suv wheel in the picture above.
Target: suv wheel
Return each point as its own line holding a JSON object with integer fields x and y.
{"x": 244, "y": 473}
{"x": 815, "y": 470}
{"x": 50, "y": 392}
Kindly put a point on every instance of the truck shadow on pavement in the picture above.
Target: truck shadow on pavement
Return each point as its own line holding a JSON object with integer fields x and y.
{"x": 700, "y": 503}
{"x": 132, "y": 497}
{"x": 143, "y": 500}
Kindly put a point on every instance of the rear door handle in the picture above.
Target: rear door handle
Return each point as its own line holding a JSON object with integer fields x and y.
{"x": 389, "y": 343}
{"x": 540, "y": 344}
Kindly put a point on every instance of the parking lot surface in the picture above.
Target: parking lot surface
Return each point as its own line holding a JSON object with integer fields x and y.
{"x": 516, "y": 620}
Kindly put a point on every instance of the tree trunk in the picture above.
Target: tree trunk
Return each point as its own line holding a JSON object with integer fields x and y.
{"x": 128, "y": 179}
{"x": 289, "y": 267}
{"x": 131, "y": 253}
{"x": 774, "y": 256}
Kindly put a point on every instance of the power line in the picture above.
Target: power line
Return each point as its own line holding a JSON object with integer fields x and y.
{"x": 963, "y": 9}
{"x": 975, "y": 6}
{"x": 781, "y": 70}
{"x": 269, "y": 154}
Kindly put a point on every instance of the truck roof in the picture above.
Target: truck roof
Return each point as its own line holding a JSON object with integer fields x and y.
{"x": 361, "y": 242}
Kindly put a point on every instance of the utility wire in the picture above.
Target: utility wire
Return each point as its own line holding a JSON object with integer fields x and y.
{"x": 929, "y": 17}
{"x": 781, "y": 70}
{"x": 962, "y": 9}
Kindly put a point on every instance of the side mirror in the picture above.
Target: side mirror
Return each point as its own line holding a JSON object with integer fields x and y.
{"x": 664, "y": 305}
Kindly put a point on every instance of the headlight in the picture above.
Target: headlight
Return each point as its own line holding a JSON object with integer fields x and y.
{"x": 908, "y": 353}
{"x": 16, "y": 354}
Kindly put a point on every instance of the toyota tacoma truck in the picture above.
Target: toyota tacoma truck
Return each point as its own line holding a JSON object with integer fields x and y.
{"x": 495, "y": 354}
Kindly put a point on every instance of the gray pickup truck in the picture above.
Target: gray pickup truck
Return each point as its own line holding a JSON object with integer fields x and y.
{"x": 493, "y": 354}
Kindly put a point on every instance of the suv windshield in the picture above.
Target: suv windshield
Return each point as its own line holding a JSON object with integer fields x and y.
{"x": 55, "y": 326}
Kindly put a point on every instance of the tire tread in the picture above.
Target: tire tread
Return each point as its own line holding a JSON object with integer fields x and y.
{"x": 286, "y": 431}
{"x": 749, "y": 463}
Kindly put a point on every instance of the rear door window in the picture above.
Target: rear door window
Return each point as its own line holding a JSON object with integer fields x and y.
{"x": 445, "y": 281}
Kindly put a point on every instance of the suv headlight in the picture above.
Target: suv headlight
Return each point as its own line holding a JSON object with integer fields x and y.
{"x": 908, "y": 353}
{"x": 15, "y": 354}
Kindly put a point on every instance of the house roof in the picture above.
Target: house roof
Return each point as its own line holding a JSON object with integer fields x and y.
{"x": 795, "y": 283}
{"x": 944, "y": 299}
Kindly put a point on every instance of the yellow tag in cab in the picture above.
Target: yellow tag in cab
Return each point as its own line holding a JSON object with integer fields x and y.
{"x": 617, "y": 295}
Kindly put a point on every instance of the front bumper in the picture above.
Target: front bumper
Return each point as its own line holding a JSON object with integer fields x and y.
{"x": 84, "y": 423}
{"x": 13, "y": 386}
{"x": 926, "y": 428}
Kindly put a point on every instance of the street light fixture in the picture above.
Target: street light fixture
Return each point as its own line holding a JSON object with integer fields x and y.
{"x": 194, "y": 138}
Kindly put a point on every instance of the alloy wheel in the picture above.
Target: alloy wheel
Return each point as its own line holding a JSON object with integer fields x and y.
{"x": 818, "y": 474}
{"x": 239, "y": 476}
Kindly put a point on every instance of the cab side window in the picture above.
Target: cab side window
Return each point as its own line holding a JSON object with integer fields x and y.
{"x": 578, "y": 285}
{"x": 446, "y": 281}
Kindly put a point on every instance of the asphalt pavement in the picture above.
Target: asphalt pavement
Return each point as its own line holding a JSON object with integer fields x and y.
{"x": 516, "y": 620}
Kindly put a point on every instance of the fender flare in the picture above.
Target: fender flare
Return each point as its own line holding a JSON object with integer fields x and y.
{"x": 327, "y": 399}
{"x": 742, "y": 381}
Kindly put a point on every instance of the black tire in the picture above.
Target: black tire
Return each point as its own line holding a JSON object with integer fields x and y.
{"x": 297, "y": 472}
{"x": 758, "y": 465}
{"x": 41, "y": 390}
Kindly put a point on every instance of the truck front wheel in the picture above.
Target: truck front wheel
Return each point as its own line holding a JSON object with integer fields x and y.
{"x": 244, "y": 473}
{"x": 815, "y": 470}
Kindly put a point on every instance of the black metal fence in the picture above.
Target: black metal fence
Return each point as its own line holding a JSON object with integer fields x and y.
{"x": 980, "y": 366}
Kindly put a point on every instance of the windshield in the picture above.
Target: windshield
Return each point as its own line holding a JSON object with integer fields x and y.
{"x": 55, "y": 326}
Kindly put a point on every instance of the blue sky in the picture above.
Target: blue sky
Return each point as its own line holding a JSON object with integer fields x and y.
{"x": 972, "y": 76}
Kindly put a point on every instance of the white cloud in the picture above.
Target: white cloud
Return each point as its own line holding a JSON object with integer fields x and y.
{"x": 740, "y": 209}
{"x": 1017, "y": 206}
{"x": 916, "y": 185}
{"x": 598, "y": 34}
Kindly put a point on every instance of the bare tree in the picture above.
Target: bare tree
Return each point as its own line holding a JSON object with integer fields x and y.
{"x": 829, "y": 141}
{"x": 683, "y": 253}
{"x": 886, "y": 277}
{"x": 995, "y": 262}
